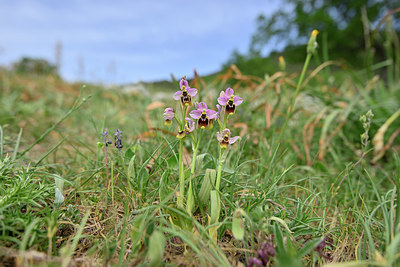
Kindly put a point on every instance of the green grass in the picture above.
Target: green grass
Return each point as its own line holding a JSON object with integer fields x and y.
{"x": 317, "y": 183}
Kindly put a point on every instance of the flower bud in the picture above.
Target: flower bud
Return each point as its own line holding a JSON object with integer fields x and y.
{"x": 312, "y": 42}
{"x": 282, "y": 63}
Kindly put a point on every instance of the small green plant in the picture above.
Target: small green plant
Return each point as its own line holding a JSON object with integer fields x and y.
{"x": 206, "y": 118}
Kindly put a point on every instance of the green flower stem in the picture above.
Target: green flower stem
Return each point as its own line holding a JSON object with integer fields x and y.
{"x": 224, "y": 123}
{"x": 181, "y": 171}
{"x": 219, "y": 171}
{"x": 182, "y": 126}
{"x": 195, "y": 149}
{"x": 189, "y": 203}
{"x": 181, "y": 175}
{"x": 291, "y": 108}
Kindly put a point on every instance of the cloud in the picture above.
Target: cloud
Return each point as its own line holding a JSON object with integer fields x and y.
{"x": 133, "y": 33}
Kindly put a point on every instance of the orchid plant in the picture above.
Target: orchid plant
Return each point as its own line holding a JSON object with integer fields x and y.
{"x": 193, "y": 119}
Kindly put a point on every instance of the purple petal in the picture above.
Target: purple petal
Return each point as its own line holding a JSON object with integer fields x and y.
{"x": 195, "y": 114}
{"x": 254, "y": 262}
{"x": 222, "y": 94}
{"x": 228, "y": 92}
{"x": 226, "y": 131}
{"x": 168, "y": 116}
{"x": 190, "y": 124}
{"x": 177, "y": 95}
{"x": 183, "y": 82}
{"x": 219, "y": 137}
{"x": 169, "y": 110}
{"x": 233, "y": 139}
{"x": 223, "y": 100}
{"x": 237, "y": 100}
{"x": 211, "y": 114}
{"x": 191, "y": 91}
{"x": 219, "y": 110}
{"x": 202, "y": 106}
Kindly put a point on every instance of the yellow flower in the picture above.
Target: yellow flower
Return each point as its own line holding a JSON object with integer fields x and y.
{"x": 282, "y": 63}
{"x": 312, "y": 42}
{"x": 314, "y": 33}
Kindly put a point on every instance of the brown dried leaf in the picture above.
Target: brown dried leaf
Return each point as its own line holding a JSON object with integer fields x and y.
{"x": 152, "y": 106}
{"x": 242, "y": 125}
{"x": 378, "y": 140}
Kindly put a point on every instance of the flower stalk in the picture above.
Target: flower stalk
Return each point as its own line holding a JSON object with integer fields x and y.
{"x": 201, "y": 118}
{"x": 310, "y": 50}
{"x": 181, "y": 176}
{"x": 195, "y": 149}
{"x": 221, "y": 162}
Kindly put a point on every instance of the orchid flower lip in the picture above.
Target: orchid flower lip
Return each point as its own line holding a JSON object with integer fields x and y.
{"x": 185, "y": 93}
{"x": 203, "y": 114}
{"x": 225, "y": 138}
{"x": 229, "y": 100}
{"x": 168, "y": 115}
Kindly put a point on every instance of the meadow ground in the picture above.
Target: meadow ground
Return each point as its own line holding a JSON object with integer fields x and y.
{"x": 320, "y": 190}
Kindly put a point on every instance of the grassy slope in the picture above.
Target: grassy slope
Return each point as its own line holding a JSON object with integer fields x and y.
{"x": 315, "y": 183}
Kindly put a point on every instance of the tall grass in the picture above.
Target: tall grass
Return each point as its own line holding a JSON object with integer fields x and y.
{"x": 316, "y": 196}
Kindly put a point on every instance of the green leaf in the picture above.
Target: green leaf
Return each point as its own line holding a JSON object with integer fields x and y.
{"x": 156, "y": 248}
{"x": 164, "y": 192}
{"x": 238, "y": 224}
{"x": 137, "y": 231}
{"x": 129, "y": 154}
{"x": 206, "y": 186}
{"x": 308, "y": 247}
{"x": 282, "y": 222}
{"x": 215, "y": 206}
{"x": 59, "y": 198}
{"x": 172, "y": 162}
{"x": 279, "y": 239}
{"x": 180, "y": 217}
{"x": 190, "y": 199}
{"x": 149, "y": 231}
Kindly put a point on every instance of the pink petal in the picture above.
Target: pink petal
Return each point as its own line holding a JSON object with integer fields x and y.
{"x": 192, "y": 91}
{"x": 223, "y": 100}
{"x": 177, "y": 95}
{"x": 211, "y": 114}
{"x": 201, "y": 106}
{"x": 195, "y": 114}
{"x": 229, "y": 91}
{"x": 183, "y": 82}
{"x": 222, "y": 94}
{"x": 233, "y": 139}
{"x": 219, "y": 136}
{"x": 190, "y": 124}
{"x": 226, "y": 131}
{"x": 219, "y": 110}
{"x": 237, "y": 100}
{"x": 168, "y": 117}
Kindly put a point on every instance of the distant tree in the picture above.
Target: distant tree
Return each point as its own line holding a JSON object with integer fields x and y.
{"x": 339, "y": 20}
{"x": 34, "y": 66}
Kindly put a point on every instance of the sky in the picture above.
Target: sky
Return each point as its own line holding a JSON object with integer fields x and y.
{"x": 120, "y": 42}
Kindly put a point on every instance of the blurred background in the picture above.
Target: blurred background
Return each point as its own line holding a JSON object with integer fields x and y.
{"x": 129, "y": 41}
